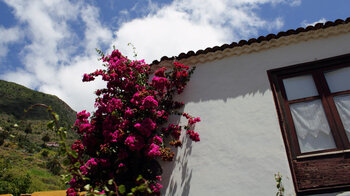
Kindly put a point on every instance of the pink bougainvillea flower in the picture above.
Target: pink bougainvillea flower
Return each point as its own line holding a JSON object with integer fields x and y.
{"x": 115, "y": 136}
{"x": 193, "y": 135}
{"x": 83, "y": 115}
{"x": 126, "y": 128}
{"x": 153, "y": 151}
{"x": 146, "y": 127}
{"x": 136, "y": 99}
{"x": 72, "y": 182}
{"x": 84, "y": 170}
{"x": 149, "y": 102}
{"x": 193, "y": 121}
{"x": 104, "y": 162}
{"x": 115, "y": 104}
{"x": 88, "y": 78}
{"x": 91, "y": 162}
{"x": 156, "y": 188}
{"x": 160, "y": 72}
{"x": 71, "y": 192}
{"x": 160, "y": 83}
{"x": 180, "y": 66}
{"x": 85, "y": 128}
{"x": 160, "y": 113}
{"x": 148, "y": 124}
{"x": 135, "y": 142}
{"x": 78, "y": 147}
{"x": 129, "y": 113}
{"x": 157, "y": 140}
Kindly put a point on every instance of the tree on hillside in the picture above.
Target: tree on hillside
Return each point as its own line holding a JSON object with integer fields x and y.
{"x": 54, "y": 165}
{"x": 46, "y": 138}
{"x": 28, "y": 129}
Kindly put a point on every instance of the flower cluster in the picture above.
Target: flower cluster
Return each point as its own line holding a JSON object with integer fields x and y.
{"x": 123, "y": 139}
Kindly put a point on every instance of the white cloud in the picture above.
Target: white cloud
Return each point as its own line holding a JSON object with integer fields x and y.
{"x": 295, "y": 2}
{"x": 152, "y": 40}
{"x": 191, "y": 25}
{"x": 305, "y": 23}
{"x": 55, "y": 58}
{"x": 95, "y": 33}
{"x": 49, "y": 64}
{"x": 8, "y": 36}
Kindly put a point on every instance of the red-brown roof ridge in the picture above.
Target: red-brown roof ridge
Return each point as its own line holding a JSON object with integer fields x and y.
{"x": 256, "y": 40}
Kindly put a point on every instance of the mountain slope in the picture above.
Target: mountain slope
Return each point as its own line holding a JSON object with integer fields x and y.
{"x": 14, "y": 99}
{"x": 26, "y": 161}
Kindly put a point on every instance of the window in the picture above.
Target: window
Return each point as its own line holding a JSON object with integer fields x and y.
{"x": 313, "y": 105}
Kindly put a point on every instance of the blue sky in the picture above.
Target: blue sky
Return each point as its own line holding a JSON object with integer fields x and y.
{"x": 48, "y": 45}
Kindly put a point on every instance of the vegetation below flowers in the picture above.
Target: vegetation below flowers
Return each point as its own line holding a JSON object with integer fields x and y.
{"x": 27, "y": 161}
{"x": 121, "y": 142}
{"x": 23, "y": 172}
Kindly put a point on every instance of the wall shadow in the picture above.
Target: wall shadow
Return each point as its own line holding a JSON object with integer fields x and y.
{"x": 219, "y": 81}
{"x": 222, "y": 80}
{"x": 178, "y": 169}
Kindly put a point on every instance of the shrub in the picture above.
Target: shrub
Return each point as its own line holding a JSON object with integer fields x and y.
{"x": 26, "y": 144}
{"x": 54, "y": 165}
{"x": 123, "y": 139}
{"x": 45, "y": 153}
{"x": 46, "y": 138}
{"x": 14, "y": 181}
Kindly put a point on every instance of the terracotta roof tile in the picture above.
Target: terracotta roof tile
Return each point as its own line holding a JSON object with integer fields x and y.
{"x": 256, "y": 40}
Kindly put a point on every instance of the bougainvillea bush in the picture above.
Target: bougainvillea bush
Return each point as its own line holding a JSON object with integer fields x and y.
{"x": 122, "y": 141}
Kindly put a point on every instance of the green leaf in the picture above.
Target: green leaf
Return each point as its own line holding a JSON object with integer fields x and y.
{"x": 73, "y": 153}
{"x": 66, "y": 178}
{"x": 77, "y": 165}
{"x": 66, "y": 162}
{"x": 86, "y": 178}
{"x": 121, "y": 189}
{"x": 139, "y": 178}
{"x": 51, "y": 124}
{"x": 149, "y": 190}
{"x": 111, "y": 193}
{"x": 133, "y": 190}
{"x": 64, "y": 135}
{"x": 61, "y": 129}
{"x": 110, "y": 182}
{"x": 105, "y": 188}
{"x": 57, "y": 117}
{"x": 87, "y": 187}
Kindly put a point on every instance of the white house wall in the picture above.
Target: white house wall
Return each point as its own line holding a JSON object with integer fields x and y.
{"x": 241, "y": 145}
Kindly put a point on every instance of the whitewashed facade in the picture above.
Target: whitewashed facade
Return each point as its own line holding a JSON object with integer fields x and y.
{"x": 241, "y": 145}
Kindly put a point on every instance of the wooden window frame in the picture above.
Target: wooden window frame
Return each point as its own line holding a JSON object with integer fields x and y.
{"x": 298, "y": 160}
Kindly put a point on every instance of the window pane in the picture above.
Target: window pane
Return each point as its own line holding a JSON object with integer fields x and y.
{"x": 338, "y": 80}
{"x": 300, "y": 87}
{"x": 343, "y": 106}
{"x": 311, "y": 126}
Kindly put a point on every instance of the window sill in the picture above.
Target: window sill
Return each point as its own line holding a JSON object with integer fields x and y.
{"x": 322, "y": 154}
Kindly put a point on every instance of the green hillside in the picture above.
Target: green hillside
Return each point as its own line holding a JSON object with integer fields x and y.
{"x": 14, "y": 99}
{"x": 27, "y": 162}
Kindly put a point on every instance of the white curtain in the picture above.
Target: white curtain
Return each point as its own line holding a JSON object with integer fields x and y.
{"x": 311, "y": 126}
{"x": 343, "y": 105}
